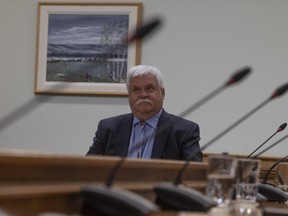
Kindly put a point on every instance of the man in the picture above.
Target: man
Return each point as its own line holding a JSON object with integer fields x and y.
{"x": 149, "y": 131}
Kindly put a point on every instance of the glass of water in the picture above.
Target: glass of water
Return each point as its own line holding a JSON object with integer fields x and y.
{"x": 246, "y": 187}
{"x": 247, "y": 179}
{"x": 282, "y": 176}
{"x": 220, "y": 178}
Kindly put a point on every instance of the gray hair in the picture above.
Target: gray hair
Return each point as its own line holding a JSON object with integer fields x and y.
{"x": 141, "y": 70}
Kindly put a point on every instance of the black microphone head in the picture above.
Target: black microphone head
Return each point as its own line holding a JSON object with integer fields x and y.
{"x": 282, "y": 127}
{"x": 272, "y": 193}
{"x": 108, "y": 201}
{"x": 238, "y": 75}
{"x": 145, "y": 29}
{"x": 181, "y": 198}
{"x": 280, "y": 91}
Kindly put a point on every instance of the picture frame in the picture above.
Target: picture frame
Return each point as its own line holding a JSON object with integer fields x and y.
{"x": 83, "y": 49}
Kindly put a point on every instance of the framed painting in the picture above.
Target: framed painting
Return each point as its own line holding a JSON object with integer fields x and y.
{"x": 82, "y": 48}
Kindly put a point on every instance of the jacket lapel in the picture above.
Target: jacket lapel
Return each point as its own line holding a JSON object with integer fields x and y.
{"x": 123, "y": 135}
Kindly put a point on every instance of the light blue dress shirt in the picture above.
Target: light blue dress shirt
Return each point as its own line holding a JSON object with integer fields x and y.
{"x": 142, "y": 137}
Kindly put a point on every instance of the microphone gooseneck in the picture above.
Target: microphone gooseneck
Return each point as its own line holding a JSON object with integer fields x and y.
{"x": 272, "y": 167}
{"x": 235, "y": 78}
{"x": 269, "y": 147}
{"x": 280, "y": 128}
{"x": 178, "y": 179}
{"x": 235, "y": 124}
{"x": 114, "y": 171}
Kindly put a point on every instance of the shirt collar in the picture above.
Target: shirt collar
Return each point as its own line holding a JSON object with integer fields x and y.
{"x": 153, "y": 121}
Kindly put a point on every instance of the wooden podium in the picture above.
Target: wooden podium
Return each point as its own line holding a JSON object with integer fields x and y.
{"x": 35, "y": 183}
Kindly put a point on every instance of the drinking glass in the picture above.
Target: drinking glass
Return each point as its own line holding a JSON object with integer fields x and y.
{"x": 220, "y": 178}
{"x": 247, "y": 179}
{"x": 282, "y": 176}
{"x": 246, "y": 187}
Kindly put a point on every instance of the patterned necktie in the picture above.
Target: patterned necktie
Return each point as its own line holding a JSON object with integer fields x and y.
{"x": 135, "y": 150}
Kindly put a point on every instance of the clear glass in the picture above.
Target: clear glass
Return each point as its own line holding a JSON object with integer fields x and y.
{"x": 282, "y": 176}
{"x": 247, "y": 179}
{"x": 220, "y": 178}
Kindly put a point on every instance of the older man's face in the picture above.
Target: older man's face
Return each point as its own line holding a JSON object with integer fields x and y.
{"x": 145, "y": 96}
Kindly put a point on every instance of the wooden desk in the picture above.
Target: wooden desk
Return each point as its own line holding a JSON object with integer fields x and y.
{"x": 31, "y": 183}
{"x": 41, "y": 182}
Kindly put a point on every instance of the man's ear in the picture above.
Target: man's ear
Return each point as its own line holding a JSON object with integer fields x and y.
{"x": 163, "y": 92}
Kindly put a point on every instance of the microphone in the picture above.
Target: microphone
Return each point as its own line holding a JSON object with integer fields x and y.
{"x": 260, "y": 153}
{"x": 235, "y": 78}
{"x": 277, "y": 93}
{"x": 31, "y": 104}
{"x": 281, "y": 128}
{"x": 268, "y": 190}
{"x": 99, "y": 198}
{"x": 145, "y": 30}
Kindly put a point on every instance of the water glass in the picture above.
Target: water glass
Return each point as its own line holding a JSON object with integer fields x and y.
{"x": 247, "y": 179}
{"x": 220, "y": 178}
{"x": 282, "y": 176}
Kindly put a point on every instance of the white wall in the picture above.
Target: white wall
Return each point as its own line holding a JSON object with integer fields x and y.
{"x": 201, "y": 43}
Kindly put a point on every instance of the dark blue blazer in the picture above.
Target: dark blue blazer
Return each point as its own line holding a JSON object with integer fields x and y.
{"x": 176, "y": 138}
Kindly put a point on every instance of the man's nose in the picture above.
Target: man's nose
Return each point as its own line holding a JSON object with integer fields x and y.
{"x": 143, "y": 93}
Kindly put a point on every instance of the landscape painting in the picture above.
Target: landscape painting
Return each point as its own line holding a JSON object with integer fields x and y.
{"x": 83, "y": 49}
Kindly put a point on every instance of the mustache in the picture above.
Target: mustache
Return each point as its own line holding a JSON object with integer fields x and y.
{"x": 146, "y": 100}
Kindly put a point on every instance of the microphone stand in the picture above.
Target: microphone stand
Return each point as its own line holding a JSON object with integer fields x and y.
{"x": 114, "y": 171}
{"x": 260, "y": 153}
{"x": 281, "y": 128}
{"x": 236, "y": 77}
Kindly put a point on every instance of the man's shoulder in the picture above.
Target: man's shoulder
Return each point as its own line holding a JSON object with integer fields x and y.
{"x": 117, "y": 117}
{"x": 178, "y": 119}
